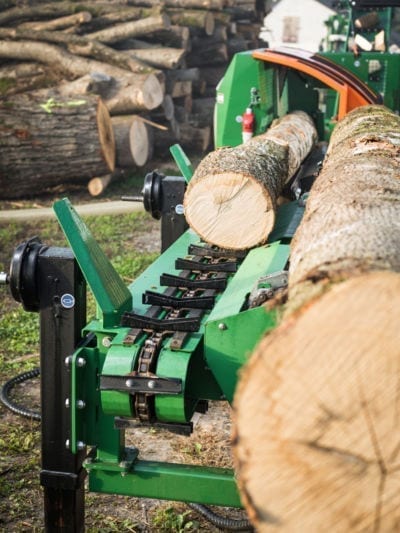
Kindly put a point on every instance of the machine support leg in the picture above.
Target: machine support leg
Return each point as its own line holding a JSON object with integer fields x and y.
{"x": 62, "y": 308}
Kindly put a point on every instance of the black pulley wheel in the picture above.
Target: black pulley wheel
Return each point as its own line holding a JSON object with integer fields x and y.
{"x": 152, "y": 195}
{"x": 22, "y": 278}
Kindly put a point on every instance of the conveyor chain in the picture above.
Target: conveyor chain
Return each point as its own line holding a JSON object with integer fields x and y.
{"x": 175, "y": 314}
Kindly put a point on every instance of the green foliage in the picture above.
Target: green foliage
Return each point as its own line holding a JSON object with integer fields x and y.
{"x": 170, "y": 519}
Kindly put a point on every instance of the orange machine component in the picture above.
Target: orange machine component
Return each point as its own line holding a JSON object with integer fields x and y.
{"x": 352, "y": 91}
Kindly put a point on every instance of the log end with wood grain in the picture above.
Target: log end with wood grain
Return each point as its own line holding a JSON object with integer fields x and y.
{"x": 316, "y": 408}
{"x": 63, "y": 140}
{"x": 231, "y": 199}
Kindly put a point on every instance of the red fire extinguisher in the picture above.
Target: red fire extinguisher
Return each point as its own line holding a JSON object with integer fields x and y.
{"x": 248, "y": 120}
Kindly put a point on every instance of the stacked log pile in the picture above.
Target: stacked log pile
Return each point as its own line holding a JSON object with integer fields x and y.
{"x": 320, "y": 451}
{"x": 154, "y": 65}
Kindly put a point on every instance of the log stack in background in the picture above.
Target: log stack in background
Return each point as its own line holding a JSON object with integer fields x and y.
{"x": 154, "y": 64}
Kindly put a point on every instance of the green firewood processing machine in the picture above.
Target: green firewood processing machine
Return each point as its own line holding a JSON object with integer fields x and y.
{"x": 162, "y": 347}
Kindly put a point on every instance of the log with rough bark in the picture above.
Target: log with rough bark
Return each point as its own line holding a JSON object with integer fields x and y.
{"x": 316, "y": 443}
{"x": 59, "y": 23}
{"x": 175, "y": 37}
{"x": 80, "y": 46}
{"x": 231, "y": 199}
{"x": 53, "y": 142}
{"x": 195, "y": 139}
{"x": 186, "y": 4}
{"x": 131, "y": 141}
{"x": 135, "y": 28}
{"x": 132, "y": 92}
{"x": 194, "y": 19}
{"x": 163, "y": 58}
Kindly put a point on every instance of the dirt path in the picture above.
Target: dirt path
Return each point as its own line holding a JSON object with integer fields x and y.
{"x": 96, "y": 208}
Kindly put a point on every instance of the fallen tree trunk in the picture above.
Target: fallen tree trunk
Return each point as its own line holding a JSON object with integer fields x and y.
{"x": 231, "y": 199}
{"x": 320, "y": 449}
{"x": 54, "y": 142}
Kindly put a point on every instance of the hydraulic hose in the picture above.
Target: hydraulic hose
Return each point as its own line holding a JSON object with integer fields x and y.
{"x": 222, "y": 522}
{"x": 12, "y": 406}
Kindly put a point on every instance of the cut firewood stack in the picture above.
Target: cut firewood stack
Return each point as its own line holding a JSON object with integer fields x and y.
{"x": 153, "y": 66}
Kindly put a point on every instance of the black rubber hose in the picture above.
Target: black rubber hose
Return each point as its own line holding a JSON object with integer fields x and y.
{"x": 222, "y": 522}
{"x": 9, "y": 385}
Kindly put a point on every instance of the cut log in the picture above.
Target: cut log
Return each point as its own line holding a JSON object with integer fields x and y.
{"x": 194, "y": 139}
{"x": 131, "y": 141}
{"x": 175, "y": 37}
{"x": 83, "y": 47}
{"x": 186, "y": 4}
{"x": 320, "y": 451}
{"x": 132, "y": 91}
{"x": 21, "y": 77}
{"x": 62, "y": 141}
{"x": 195, "y": 19}
{"x": 208, "y": 54}
{"x": 59, "y": 23}
{"x": 316, "y": 440}
{"x": 122, "y": 14}
{"x": 231, "y": 199}
{"x": 163, "y": 58}
{"x": 96, "y": 186}
{"x": 135, "y": 28}
{"x": 361, "y": 173}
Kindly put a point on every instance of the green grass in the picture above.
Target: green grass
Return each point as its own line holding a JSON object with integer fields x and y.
{"x": 20, "y": 493}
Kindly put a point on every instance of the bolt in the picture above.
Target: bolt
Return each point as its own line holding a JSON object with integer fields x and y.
{"x": 67, "y": 443}
{"x": 151, "y": 384}
{"x": 80, "y": 362}
{"x": 80, "y": 404}
{"x": 80, "y": 445}
{"x": 68, "y": 360}
{"x": 222, "y": 326}
{"x": 129, "y": 382}
{"x": 106, "y": 342}
{"x": 67, "y": 403}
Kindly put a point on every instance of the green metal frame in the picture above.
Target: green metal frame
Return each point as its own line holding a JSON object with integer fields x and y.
{"x": 207, "y": 365}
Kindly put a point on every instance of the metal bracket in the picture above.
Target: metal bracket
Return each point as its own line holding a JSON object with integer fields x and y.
{"x": 144, "y": 384}
{"x": 266, "y": 287}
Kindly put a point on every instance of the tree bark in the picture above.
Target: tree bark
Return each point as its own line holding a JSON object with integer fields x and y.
{"x": 203, "y": 20}
{"x": 163, "y": 58}
{"x": 59, "y": 23}
{"x": 231, "y": 183}
{"x": 81, "y": 46}
{"x": 134, "y": 28}
{"x": 175, "y": 37}
{"x": 131, "y": 141}
{"x": 53, "y": 142}
{"x": 320, "y": 449}
{"x": 185, "y": 4}
{"x": 132, "y": 91}
{"x": 195, "y": 139}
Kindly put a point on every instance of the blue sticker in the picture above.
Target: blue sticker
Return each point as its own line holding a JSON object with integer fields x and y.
{"x": 67, "y": 301}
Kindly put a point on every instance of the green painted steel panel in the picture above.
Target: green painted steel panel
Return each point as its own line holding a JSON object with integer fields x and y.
{"x": 167, "y": 481}
{"x": 231, "y": 334}
{"x": 384, "y": 81}
{"x": 110, "y": 292}
{"x": 234, "y": 95}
